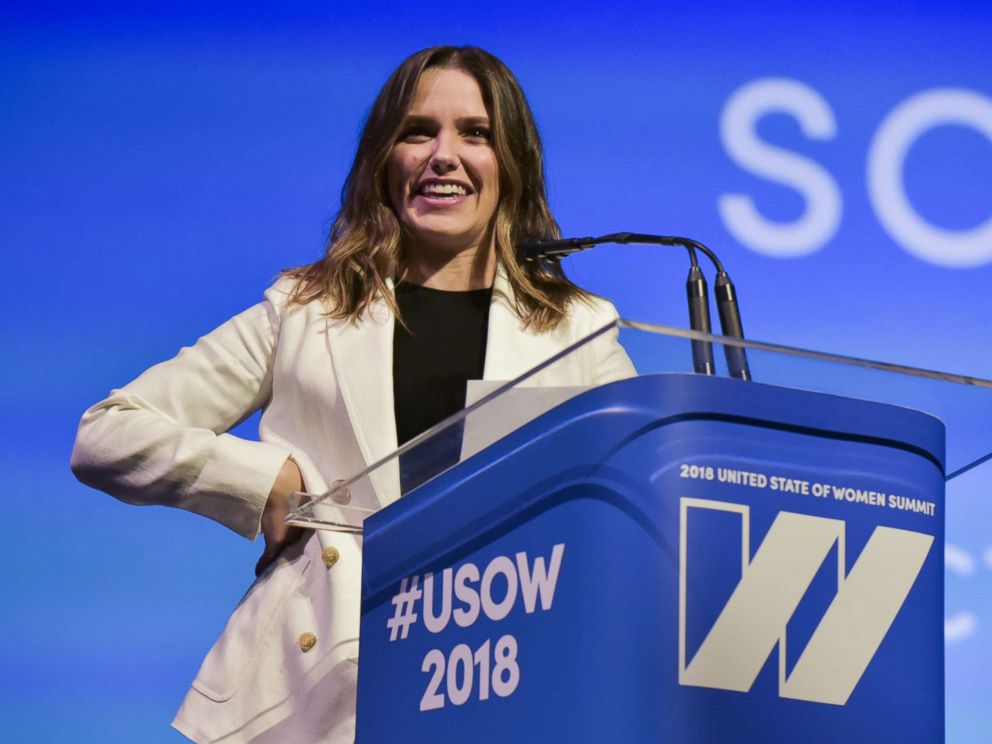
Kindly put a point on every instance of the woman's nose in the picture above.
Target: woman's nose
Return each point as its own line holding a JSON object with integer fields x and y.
{"x": 444, "y": 158}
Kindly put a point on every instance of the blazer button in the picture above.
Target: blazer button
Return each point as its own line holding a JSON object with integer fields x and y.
{"x": 330, "y": 556}
{"x": 307, "y": 641}
{"x": 343, "y": 496}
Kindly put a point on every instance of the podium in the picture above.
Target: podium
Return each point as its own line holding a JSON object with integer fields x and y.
{"x": 668, "y": 558}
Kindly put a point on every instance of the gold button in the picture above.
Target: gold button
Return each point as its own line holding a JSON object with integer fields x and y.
{"x": 330, "y": 556}
{"x": 342, "y": 496}
{"x": 307, "y": 641}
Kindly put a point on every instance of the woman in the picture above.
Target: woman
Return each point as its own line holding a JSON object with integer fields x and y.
{"x": 350, "y": 356}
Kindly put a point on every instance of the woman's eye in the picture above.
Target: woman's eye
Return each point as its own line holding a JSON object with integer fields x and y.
{"x": 478, "y": 133}
{"x": 415, "y": 135}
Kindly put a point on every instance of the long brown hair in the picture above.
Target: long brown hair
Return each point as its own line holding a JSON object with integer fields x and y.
{"x": 365, "y": 245}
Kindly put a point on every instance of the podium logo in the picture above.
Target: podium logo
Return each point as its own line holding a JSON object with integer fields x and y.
{"x": 771, "y": 586}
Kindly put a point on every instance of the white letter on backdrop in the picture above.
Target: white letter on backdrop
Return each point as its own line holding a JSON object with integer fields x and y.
{"x": 738, "y": 121}
{"x": 896, "y": 134}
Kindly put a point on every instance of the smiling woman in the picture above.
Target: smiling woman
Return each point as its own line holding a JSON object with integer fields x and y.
{"x": 444, "y": 183}
{"x": 435, "y": 94}
{"x": 419, "y": 291}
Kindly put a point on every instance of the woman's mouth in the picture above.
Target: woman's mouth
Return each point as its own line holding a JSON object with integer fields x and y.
{"x": 438, "y": 192}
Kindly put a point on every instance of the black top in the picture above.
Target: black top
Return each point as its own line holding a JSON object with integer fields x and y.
{"x": 442, "y": 347}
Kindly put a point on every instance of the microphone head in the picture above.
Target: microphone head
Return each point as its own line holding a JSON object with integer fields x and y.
{"x": 534, "y": 249}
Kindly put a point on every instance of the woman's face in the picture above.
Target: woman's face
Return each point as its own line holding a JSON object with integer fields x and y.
{"x": 443, "y": 177}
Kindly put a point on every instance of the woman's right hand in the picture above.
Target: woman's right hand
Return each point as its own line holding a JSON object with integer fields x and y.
{"x": 277, "y": 534}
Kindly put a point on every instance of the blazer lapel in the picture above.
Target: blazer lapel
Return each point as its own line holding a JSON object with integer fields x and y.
{"x": 362, "y": 354}
{"x": 511, "y": 349}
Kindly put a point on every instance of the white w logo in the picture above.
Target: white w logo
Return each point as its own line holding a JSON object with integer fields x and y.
{"x": 771, "y": 587}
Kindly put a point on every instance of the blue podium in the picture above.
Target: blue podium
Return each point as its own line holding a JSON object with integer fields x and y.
{"x": 669, "y": 558}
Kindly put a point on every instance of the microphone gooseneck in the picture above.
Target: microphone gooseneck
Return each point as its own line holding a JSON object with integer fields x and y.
{"x": 696, "y": 291}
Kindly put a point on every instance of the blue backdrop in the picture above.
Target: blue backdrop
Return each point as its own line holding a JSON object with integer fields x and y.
{"x": 160, "y": 165}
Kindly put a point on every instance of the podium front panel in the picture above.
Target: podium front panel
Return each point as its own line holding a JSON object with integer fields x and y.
{"x": 667, "y": 559}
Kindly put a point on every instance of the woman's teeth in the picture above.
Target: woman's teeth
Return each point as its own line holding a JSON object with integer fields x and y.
{"x": 443, "y": 189}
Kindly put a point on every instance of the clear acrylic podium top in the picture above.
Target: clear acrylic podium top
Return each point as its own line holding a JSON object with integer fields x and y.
{"x": 497, "y": 408}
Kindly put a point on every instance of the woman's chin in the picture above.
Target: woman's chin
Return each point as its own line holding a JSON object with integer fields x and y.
{"x": 450, "y": 239}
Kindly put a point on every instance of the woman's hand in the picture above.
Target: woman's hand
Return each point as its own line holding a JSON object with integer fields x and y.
{"x": 277, "y": 534}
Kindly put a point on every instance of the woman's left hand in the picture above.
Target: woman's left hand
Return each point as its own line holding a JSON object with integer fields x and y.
{"x": 277, "y": 534}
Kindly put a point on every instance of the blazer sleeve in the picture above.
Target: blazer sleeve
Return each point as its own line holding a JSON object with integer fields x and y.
{"x": 161, "y": 439}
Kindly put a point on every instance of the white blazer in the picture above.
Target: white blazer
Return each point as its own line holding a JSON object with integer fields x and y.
{"x": 327, "y": 393}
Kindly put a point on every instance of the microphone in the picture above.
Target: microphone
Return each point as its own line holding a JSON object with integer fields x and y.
{"x": 699, "y": 319}
{"x": 730, "y": 321}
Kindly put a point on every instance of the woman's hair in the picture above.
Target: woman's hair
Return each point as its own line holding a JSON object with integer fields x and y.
{"x": 365, "y": 245}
